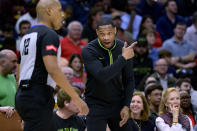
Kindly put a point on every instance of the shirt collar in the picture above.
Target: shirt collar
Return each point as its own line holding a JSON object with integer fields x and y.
{"x": 174, "y": 41}
{"x": 107, "y": 48}
{"x": 162, "y": 78}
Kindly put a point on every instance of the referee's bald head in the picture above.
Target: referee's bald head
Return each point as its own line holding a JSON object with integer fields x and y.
{"x": 49, "y": 12}
{"x": 43, "y": 5}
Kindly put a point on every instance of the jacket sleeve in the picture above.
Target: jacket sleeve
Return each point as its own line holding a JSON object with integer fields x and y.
{"x": 94, "y": 66}
{"x": 128, "y": 82}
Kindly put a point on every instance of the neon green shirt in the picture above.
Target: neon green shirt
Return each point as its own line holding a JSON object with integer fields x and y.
{"x": 7, "y": 90}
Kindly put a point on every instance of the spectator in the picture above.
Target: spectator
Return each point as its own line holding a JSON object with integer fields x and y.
{"x": 167, "y": 55}
{"x": 186, "y": 107}
{"x": 191, "y": 33}
{"x": 186, "y": 7}
{"x": 81, "y": 9}
{"x": 10, "y": 10}
{"x": 171, "y": 118}
{"x": 140, "y": 114}
{"x": 68, "y": 10}
{"x": 150, "y": 7}
{"x": 89, "y": 32}
{"x": 8, "y": 63}
{"x": 118, "y": 5}
{"x": 185, "y": 85}
{"x": 144, "y": 82}
{"x": 24, "y": 26}
{"x": 9, "y": 43}
{"x": 147, "y": 24}
{"x": 106, "y": 7}
{"x": 162, "y": 1}
{"x": 150, "y": 81}
{"x": 72, "y": 43}
{"x": 131, "y": 20}
{"x": 68, "y": 73}
{"x": 8, "y": 30}
{"x": 121, "y": 33}
{"x": 68, "y": 17}
{"x": 142, "y": 64}
{"x": 168, "y": 21}
{"x": 161, "y": 68}
{"x": 79, "y": 77}
{"x": 29, "y": 16}
{"x": 153, "y": 95}
{"x": 7, "y": 40}
{"x": 150, "y": 36}
{"x": 183, "y": 51}
{"x": 66, "y": 115}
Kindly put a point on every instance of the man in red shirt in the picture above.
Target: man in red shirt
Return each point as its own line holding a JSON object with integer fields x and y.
{"x": 72, "y": 43}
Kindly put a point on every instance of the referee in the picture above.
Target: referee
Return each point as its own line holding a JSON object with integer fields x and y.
{"x": 39, "y": 50}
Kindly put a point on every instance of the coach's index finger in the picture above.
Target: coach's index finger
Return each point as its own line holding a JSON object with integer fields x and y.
{"x": 133, "y": 44}
{"x": 125, "y": 44}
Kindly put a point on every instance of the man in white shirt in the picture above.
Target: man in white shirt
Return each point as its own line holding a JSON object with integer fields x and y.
{"x": 191, "y": 33}
{"x": 29, "y": 16}
{"x": 131, "y": 20}
{"x": 24, "y": 26}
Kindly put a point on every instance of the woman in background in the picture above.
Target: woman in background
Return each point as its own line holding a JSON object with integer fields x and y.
{"x": 147, "y": 23}
{"x": 139, "y": 114}
{"x": 171, "y": 118}
{"x": 79, "y": 77}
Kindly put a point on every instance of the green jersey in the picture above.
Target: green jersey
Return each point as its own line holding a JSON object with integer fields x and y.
{"x": 7, "y": 90}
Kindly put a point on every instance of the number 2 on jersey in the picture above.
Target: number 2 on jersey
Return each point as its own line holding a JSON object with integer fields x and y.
{"x": 26, "y": 44}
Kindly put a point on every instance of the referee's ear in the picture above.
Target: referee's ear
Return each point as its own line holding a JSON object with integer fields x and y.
{"x": 48, "y": 11}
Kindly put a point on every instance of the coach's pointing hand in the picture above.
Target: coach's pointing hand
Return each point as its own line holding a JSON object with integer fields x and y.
{"x": 127, "y": 52}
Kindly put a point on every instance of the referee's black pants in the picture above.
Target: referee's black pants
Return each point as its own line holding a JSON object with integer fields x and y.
{"x": 35, "y": 106}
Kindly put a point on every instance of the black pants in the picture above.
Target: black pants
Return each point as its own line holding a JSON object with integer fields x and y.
{"x": 99, "y": 117}
{"x": 35, "y": 106}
